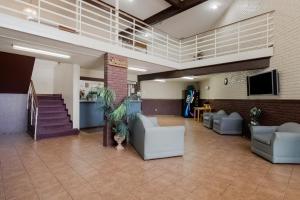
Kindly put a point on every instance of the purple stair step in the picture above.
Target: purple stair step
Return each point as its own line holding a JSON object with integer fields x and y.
{"x": 50, "y": 102}
{"x": 55, "y": 114}
{"x": 52, "y": 111}
{"x": 48, "y": 106}
{"x": 53, "y": 120}
{"x": 52, "y": 124}
{"x": 54, "y": 128}
{"x": 49, "y": 97}
{"x": 66, "y": 132}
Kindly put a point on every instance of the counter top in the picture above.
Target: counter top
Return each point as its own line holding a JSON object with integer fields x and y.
{"x": 86, "y": 101}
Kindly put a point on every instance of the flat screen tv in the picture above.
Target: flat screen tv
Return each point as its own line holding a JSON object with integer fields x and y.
{"x": 263, "y": 84}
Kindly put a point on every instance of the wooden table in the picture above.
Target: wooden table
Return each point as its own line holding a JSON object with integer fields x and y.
{"x": 198, "y": 112}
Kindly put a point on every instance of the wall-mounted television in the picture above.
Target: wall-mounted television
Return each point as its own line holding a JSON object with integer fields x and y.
{"x": 263, "y": 84}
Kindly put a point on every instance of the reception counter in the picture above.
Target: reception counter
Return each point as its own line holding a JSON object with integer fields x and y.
{"x": 92, "y": 115}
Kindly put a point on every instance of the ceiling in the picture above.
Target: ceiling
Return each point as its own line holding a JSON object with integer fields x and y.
{"x": 141, "y": 9}
{"x": 85, "y": 57}
{"x": 195, "y": 20}
{"x": 80, "y": 55}
{"x": 151, "y": 68}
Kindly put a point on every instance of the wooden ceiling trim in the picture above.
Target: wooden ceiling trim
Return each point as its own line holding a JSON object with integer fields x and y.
{"x": 176, "y": 8}
{"x": 255, "y": 64}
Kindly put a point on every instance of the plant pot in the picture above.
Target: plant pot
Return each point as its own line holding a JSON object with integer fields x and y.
{"x": 119, "y": 139}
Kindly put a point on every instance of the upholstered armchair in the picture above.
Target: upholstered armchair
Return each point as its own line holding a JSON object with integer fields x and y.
{"x": 229, "y": 125}
{"x": 152, "y": 141}
{"x": 209, "y": 117}
{"x": 278, "y": 144}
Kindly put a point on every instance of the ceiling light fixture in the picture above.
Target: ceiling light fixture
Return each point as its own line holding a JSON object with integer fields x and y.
{"x": 39, "y": 51}
{"x": 214, "y": 6}
{"x": 160, "y": 80}
{"x": 30, "y": 13}
{"x": 147, "y": 35}
{"x": 188, "y": 78}
{"x": 137, "y": 69}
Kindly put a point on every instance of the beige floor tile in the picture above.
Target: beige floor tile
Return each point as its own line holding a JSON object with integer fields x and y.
{"x": 78, "y": 167}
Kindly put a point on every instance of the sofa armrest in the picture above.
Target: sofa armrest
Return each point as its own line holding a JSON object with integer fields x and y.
{"x": 164, "y": 138}
{"x": 153, "y": 120}
{"x": 263, "y": 129}
{"x": 286, "y": 144}
{"x": 208, "y": 114}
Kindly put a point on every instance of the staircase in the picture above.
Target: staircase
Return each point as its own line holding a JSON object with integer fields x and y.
{"x": 53, "y": 119}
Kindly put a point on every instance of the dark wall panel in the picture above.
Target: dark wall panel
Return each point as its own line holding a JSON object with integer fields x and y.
{"x": 15, "y": 73}
{"x": 162, "y": 106}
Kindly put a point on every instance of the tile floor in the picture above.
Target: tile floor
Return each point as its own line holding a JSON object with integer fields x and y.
{"x": 78, "y": 167}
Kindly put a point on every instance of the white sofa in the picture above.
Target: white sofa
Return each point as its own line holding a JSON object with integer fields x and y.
{"x": 152, "y": 141}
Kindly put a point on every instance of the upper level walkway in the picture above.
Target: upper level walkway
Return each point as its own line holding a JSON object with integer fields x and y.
{"x": 92, "y": 24}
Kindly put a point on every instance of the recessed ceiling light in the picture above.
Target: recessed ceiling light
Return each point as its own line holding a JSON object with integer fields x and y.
{"x": 137, "y": 69}
{"x": 160, "y": 80}
{"x": 130, "y": 0}
{"x": 42, "y": 52}
{"x": 188, "y": 78}
{"x": 147, "y": 35}
{"x": 30, "y": 13}
{"x": 214, "y": 6}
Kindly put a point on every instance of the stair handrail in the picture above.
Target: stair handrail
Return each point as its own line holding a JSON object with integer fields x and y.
{"x": 33, "y": 108}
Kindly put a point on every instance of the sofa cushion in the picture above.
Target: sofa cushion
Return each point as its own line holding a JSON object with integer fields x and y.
{"x": 263, "y": 138}
{"x": 206, "y": 117}
{"x": 221, "y": 112}
{"x": 235, "y": 115}
{"x": 289, "y": 127}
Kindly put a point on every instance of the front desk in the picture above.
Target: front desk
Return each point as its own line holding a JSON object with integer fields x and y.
{"x": 92, "y": 115}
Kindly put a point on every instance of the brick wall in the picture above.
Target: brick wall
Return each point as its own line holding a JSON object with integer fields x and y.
{"x": 115, "y": 78}
{"x": 275, "y": 112}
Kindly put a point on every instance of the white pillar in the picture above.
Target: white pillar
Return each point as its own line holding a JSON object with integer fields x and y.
{"x": 76, "y": 98}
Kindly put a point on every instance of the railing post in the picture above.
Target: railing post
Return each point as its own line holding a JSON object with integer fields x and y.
{"x": 180, "y": 51}
{"x": 39, "y": 11}
{"x": 117, "y": 21}
{"x": 133, "y": 35}
{"x": 196, "y": 49}
{"x": 215, "y": 42}
{"x": 31, "y": 109}
{"x": 167, "y": 46}
{"x": 238, "y": 42}
{"x": 110, "y": 24}
{"x": 268, "y": 29}
{"x": 27, "y": 106}
{"x": 35, "y": 124}
{"x": 80, "y": 16}
{"x": 152, "y": 40}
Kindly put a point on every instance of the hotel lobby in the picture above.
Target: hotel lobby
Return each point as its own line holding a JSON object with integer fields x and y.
{"x": 143, "y": 100}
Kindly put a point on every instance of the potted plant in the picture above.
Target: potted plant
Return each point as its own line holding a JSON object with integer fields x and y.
{"x": 255, "y": 114}
{"x": 115, "y": 114}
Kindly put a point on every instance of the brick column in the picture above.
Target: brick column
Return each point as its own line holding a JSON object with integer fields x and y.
{"x": 115, "y": 78}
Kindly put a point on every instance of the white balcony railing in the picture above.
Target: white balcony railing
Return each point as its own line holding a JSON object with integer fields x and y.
{"x": 250, "y": 34}
{"x": 94, "y": 19}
